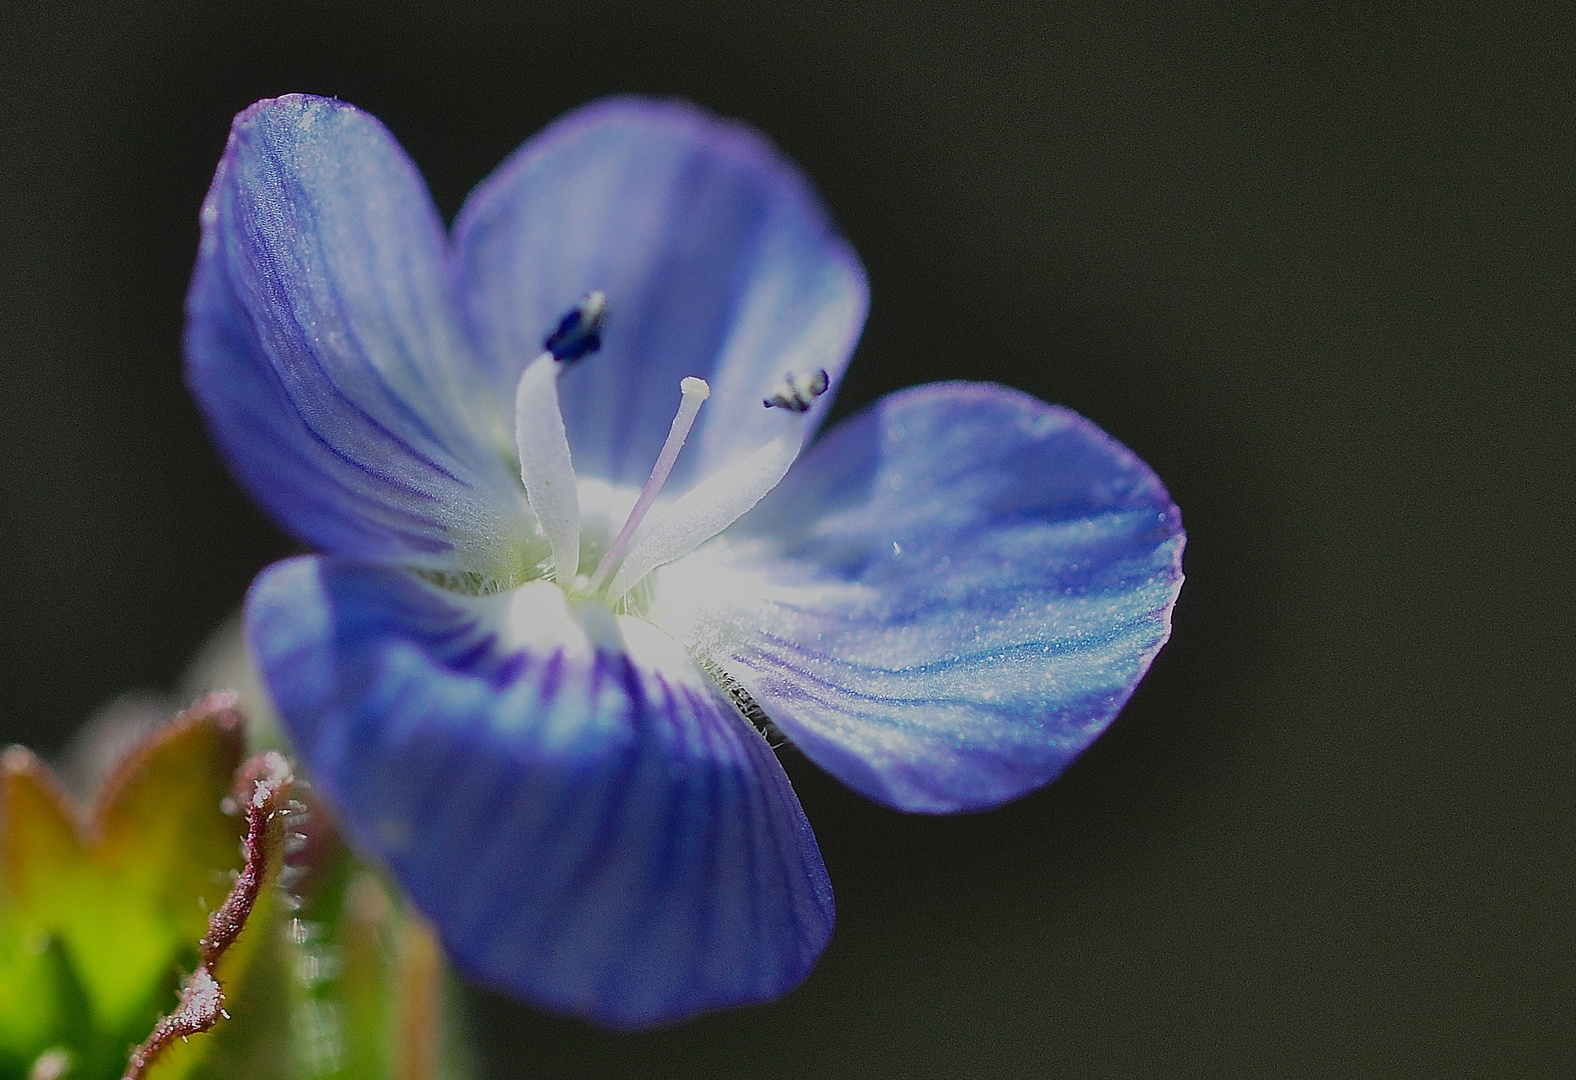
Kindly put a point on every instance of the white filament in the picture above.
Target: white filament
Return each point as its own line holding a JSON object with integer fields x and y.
{"x": 545, "y": 467}
{"x": 708, "y": 508}
{"x": 693, "y": 392}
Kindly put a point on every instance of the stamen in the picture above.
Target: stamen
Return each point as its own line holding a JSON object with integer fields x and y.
{"x": 539, "y": 436}
{"x": 693, "y": 391}
{"x": 579, "y": 332}
{"x": 797, "y": 393}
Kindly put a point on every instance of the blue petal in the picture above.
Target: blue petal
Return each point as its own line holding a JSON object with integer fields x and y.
{"x": 716, "y": 257}
{"x": 325, "y": 347}
{"x": 584, "y": 820}
{"x": 949, "y": 597}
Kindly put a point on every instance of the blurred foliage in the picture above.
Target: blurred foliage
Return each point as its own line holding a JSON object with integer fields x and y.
{"x": 101, "y": 913}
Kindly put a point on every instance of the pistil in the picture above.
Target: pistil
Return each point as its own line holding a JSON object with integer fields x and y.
{"x": 693, "y": 392}
{"x": 709, "y": 507}
{"x": 726, "y": 495}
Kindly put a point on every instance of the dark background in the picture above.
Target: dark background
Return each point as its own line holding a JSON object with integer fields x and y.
{"x": 1317, "y": 271}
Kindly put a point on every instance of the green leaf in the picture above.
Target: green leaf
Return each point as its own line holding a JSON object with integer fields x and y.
{"x": 100, "y": 913}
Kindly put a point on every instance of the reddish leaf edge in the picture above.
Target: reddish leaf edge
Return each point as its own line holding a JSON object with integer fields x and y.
{"x": 262, "y": 792}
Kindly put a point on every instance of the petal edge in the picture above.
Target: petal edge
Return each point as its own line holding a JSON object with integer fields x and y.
{"x": 324, "y": 346}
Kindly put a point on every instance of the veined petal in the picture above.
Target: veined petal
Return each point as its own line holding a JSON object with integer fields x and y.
{"x": 324, "y": 346}
{"x": 948, "y": 598}
{"x": 567, "y": 797}
{"x": 717, "y": 259}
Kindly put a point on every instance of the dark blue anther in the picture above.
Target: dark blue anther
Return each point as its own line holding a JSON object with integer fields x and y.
{"x": 579, "y": 333}
{"x": 797, "y": 393}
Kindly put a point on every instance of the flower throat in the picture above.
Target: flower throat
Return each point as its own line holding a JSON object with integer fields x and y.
{"x": 641, "y": 545}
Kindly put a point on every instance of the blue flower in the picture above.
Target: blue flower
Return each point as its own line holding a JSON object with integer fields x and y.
{"x": 529, "y": 668}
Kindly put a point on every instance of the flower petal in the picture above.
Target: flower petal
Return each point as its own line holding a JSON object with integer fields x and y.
{"x": 948, "y": 598}
{"x": 324, "y": 346}
{"x": 586, "y": 822}
{"x": 717, "y": 259}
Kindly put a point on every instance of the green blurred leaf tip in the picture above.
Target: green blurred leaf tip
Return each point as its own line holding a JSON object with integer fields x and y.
{"x": 201, "y": 919}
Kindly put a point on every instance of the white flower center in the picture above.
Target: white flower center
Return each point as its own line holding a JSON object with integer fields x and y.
{"x": 640, "y": 546}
